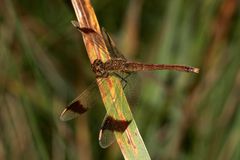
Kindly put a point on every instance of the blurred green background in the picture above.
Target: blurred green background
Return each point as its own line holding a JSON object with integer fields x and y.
{"x": 44, "y": 65}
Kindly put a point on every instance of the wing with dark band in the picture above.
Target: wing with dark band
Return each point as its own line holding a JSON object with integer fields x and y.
{"x": 109, "y": 126}
{"x": 82, "y": 103}
{"x": 100, "y": 40}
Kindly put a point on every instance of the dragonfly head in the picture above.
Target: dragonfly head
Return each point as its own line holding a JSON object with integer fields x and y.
{"x": 98, "y": 67}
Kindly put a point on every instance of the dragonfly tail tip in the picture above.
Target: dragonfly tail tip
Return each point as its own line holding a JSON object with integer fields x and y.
{"x": 196, "y": 70}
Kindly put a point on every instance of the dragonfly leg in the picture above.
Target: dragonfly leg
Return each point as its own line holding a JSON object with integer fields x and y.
{"x": 128, "y": 74}
{"x": 123, "y": 79}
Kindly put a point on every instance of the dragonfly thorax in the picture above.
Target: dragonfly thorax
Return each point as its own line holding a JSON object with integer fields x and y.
{"x": 98, "y": 67}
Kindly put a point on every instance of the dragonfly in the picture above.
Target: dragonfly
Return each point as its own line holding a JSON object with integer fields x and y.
{"x": 117, "y": 66}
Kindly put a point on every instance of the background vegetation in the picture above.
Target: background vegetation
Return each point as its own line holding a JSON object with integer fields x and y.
{"x": 43, "y": 66}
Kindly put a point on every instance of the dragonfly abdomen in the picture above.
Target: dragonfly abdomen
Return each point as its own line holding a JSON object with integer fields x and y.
{"x": 133, "y": 67}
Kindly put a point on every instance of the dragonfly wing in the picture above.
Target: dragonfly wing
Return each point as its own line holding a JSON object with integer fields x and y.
{"x": 106, "y": 136}
{"x": 109, "y": 126}
{"x": 82, "y": 103}
{"x": 111, "y": 46}
{"x": 72, "y": 111}
{"x": 100, "y": 40}
{"x": 97, "y": 39}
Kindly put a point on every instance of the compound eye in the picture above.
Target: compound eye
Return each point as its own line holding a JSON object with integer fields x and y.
{"x": 97, "y": 61}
